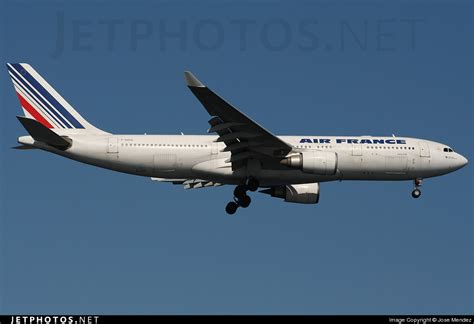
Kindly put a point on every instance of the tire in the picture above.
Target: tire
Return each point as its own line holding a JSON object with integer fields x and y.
{"x": 240, "y": 191}
{"x": 231, "y": 208}
{"x": 245, "y": 201}
{"x": 253, "y": 184}
{"x": 416, "y": 193}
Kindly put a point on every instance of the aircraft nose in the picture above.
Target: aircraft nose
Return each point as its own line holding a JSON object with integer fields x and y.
{"x": 461, "y": 161}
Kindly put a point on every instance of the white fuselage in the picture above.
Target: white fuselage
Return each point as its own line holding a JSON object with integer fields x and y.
{"x": 200, "y": 157}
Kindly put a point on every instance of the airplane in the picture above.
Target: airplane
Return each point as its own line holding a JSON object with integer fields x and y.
{"x": 241, "y": 153}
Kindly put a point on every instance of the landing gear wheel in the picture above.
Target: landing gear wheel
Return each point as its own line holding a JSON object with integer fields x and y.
{"x": 231, "y": 208}
{"x": 240, "y": 191}
{"x": 244, "y": 202}
{"x": 416, "y": 193}
{"x": 253, "y": 184}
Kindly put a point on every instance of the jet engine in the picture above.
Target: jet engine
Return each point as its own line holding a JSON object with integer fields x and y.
{"x": 316, "y": 162}
{"x": 307, "y": 193}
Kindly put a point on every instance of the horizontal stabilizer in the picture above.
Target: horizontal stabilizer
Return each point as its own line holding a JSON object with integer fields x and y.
{"x": 43, "y": 134}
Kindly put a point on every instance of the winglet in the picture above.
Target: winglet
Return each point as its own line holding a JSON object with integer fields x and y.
{"x": 192, "y": 81}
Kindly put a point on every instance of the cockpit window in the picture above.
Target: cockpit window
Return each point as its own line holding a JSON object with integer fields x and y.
{"x": 447, "y": 149}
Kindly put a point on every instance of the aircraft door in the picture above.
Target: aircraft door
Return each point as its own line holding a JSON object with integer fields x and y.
{"x": 424, "y": 149}
{"x": 113, "y": 145}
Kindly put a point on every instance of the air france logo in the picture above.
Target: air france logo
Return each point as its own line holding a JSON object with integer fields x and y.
{"x": 351, "y": 141}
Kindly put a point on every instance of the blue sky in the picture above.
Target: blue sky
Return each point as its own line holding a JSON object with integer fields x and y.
{"x": 77, "y": 239}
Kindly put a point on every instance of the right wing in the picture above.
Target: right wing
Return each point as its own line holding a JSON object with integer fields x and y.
{"x": 190, "y": 183}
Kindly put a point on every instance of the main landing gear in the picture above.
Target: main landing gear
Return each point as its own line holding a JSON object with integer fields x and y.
{"x": 241, "y": 199}
{"x": 416, "y": 193}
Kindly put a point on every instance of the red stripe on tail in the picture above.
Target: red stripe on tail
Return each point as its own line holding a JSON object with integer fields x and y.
{"x": 33, "y": 112}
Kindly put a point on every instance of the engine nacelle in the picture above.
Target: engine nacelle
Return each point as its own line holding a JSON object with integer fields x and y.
{"x": 307, "y": 193}
{"x": 317, "y": 162}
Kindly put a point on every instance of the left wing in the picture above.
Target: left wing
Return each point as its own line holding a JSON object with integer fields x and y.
{"x": 243, "y": 137}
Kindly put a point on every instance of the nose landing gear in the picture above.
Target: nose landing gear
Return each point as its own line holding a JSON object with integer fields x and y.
{"x": 416, "y": 193}
{"x": 241, "y": 199}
